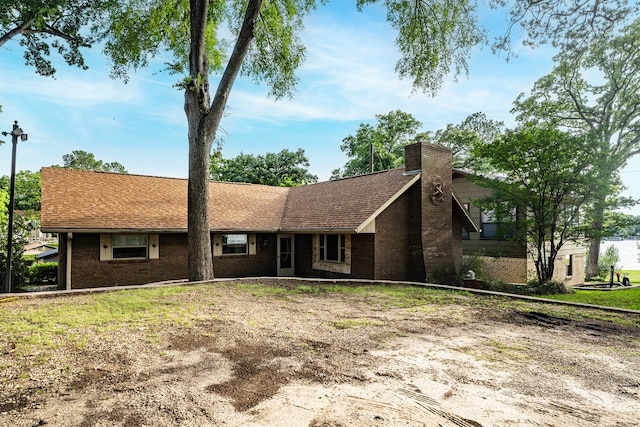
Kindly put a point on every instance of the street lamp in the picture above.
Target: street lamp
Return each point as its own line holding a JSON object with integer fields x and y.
{"x": 15, "y": 133}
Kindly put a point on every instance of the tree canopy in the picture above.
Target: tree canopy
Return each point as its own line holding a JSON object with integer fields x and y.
{"x": 462, "y": 138}
{"x": 569, "y": 25}
{"x": 284, "y": 169}
{"x": 64, "y": 26}
{"x": 548, "y": 179}
{"x": 595, "y": 92}
{"x": 79, "y": 159}
{"x": 19, "y": 238}
{"x": 378, "y": 147}
{"x": 4, "y": 203}
{"x": 26, "y": 195}
{"x": 386, "y": 141}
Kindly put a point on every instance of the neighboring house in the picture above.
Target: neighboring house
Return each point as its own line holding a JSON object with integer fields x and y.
{"x": 48, "y": 256}
{"x": 504, "y": 259}
{"x": 117, "y": 229}
{"x": 42, "y": 251}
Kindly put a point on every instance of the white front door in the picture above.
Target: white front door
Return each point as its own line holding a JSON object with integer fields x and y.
{"x": 285, "y": 255}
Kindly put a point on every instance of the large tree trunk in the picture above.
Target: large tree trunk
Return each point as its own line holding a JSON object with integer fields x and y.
{"x": 199, "y": 240}
{"x": 594, "y": 241}
{"x": 203, "y": 120}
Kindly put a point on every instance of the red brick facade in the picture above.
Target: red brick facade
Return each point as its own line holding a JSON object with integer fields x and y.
{"x": 437, "y": 236}
{"x": 403, "y": 228}
{"x": 88, "y": 271}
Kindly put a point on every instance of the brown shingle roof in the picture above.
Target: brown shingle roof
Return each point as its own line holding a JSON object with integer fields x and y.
{"x": 344, "y": 204}
{"x": 82, "y": 200}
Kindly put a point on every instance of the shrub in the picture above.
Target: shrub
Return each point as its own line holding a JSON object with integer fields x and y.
{"x": 469, "y": 263}
{"x": 531, "y": 288}
{"x": 610, "y": 257}
{"x": 44, "y": 273}
{"x": 500, "y": 286}
{"x": 548, "y": 288}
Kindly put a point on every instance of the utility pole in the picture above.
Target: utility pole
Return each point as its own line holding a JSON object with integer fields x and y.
{"x": 15, "y": 133}
{"x": 371, "y": 158}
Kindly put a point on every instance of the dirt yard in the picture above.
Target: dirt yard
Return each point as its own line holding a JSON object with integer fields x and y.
{"x": 331, "y": 359}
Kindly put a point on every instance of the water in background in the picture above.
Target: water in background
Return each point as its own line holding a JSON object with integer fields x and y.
{"x": 628, "y": 250}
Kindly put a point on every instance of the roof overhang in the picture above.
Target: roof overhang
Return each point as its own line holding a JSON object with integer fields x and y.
{"x": 112, "y": 230}
{"x": 467, "y": 221}
{"x": 392, "y": 199}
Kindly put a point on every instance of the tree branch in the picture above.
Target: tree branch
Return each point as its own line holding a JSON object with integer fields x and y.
{"x": 20, "y": 29}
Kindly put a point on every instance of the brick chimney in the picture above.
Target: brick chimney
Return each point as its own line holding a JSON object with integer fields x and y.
{"x": 434, "y": 163}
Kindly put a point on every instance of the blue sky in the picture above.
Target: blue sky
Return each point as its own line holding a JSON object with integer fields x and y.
{"x": 347, "y": 79}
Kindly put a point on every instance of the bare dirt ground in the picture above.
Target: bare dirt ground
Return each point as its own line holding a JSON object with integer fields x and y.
{"x": 334, "y": 359}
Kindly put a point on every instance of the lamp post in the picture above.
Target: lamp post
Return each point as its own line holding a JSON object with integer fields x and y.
{"x": 15, "y": 133}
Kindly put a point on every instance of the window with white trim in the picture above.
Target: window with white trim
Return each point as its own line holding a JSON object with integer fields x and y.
{"x": 230, "y": 244}
{"x": 332, "y": 247}
{"x": 332, "y": 252}
{"x": 235, "y": 244}
{"x": 129, "y": 246}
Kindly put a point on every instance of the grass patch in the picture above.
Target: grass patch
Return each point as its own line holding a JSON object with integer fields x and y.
{"x": 634, "y": 276}
{"x": 623, "y": 298}
{"x": 399, "y": 296}
{"x": 33, "y": 325}
{"x": 37, "y": 326}
{"x": 355, "y": 323}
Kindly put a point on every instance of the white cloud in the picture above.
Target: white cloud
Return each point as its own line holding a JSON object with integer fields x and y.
{"x": 84, "y": 91}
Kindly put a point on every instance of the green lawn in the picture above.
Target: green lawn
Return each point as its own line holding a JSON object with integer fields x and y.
{"x": 623, "y": 298}
{"x": 634, "y": 276}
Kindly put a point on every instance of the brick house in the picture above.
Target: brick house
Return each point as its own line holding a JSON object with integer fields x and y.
{"x": 402, "y": 224}
{"x": 507, "y": 260}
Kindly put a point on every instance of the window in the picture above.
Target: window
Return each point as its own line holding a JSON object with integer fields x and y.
{"x": 569, "y": 261}
{"x": 129, "y": 246}
{"x": 465, "y": 233}
{"x": 493, "y": 228}
{"x": 234, "y": 244}
{"x": 237, "y": 244}
{"x": 332, "y": 247}
{"x": 488, "y": 224}
{"x": 332, "y": 252}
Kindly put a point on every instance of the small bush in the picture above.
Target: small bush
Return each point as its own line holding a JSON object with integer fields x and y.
{"x": 470, "y": 263}
{"x": 532, "y": 288}
{"x": 610, "y": 257}
{"x": 500, "y": 286}
{"x": 549, "y": 288}
{"x": 44, "y": 273}
{"x": 29, "y": 259}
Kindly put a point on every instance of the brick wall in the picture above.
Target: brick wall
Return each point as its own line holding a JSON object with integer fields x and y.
{"x": 412, "y": 157}
{"x": 436, "y": 229}
{"x": 362, "y": 258}
{"x": 263, "y": 263}
{"x": 560, "y": 270}
{"x": 303, "y": 255}
{"x": 456, "y": 244}
{"x": 520, "y": 270}
{"x": 391, "y": 241}
{"x": 510, "y": 270}
{"x": 88, "y": 271}
{"x": 415, "y": 263}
